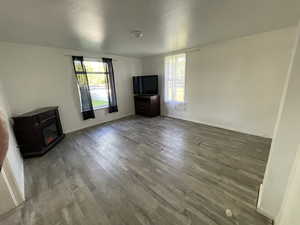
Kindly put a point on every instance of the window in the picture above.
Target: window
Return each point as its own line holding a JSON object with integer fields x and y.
{"x": 175, "y": 78}
{"x": 96, "y": 73}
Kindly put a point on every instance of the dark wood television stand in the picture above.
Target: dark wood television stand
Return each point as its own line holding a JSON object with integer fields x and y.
{"x": 147, "y": 105}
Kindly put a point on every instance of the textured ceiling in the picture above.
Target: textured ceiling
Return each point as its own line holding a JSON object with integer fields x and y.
{"x": 168, "y": 25}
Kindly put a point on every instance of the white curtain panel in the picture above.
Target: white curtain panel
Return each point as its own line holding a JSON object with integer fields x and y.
{"x": 175, "y": 81}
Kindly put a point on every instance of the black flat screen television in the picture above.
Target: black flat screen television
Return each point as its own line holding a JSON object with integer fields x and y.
{"x": 145, "y": 85}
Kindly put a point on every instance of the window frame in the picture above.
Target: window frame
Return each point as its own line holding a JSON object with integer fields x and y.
{"x": 104, "y": 73}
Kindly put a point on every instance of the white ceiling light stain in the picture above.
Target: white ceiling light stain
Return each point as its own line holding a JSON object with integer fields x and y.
{"x": 87, "y": 23}
{"x": 178, "y": 24}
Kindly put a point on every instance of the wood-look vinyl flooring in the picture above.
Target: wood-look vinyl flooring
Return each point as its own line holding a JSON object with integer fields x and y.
{"x": 146, "y": 171}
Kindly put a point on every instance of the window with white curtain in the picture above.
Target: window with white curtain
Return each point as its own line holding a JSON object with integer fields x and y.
{"x": 175, "y": 78}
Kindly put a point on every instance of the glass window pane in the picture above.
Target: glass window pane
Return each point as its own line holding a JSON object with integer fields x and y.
{"x": 78, "y": 66}
{"x": 98, "y": 89}
{"x": 94, "y": 66}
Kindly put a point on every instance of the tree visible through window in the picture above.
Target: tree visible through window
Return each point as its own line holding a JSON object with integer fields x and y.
{"x": 175, "y": 78}
{"x": 96, "y": 72}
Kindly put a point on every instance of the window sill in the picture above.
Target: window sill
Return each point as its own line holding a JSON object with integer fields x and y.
{"x": 102, "y": 107}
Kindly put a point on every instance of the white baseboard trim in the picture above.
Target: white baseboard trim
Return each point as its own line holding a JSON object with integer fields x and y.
{"x": 259, "y": 209}
{"x": 16, "y": 194}
{"x": 217, "y": 126}
{"x": 98, "y": 123}
{"x": 264, "y": 213}
{"x": 259, "y": 196}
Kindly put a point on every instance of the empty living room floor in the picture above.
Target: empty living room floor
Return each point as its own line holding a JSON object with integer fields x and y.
{"x": 142, "y": 171}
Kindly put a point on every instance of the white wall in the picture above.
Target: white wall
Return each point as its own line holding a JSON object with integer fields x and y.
{"x": 234, "y": 84}
{"x": 36, "y": 76}
{"x": 12, "y": 192}
{"x": 289, "y": 213}
{"x": 285, "y": 142}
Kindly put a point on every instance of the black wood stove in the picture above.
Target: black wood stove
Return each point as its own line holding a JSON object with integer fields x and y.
{"x": 38, "y": 131}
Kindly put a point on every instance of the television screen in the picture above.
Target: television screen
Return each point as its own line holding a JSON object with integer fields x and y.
{"x": 145, "y": 85}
